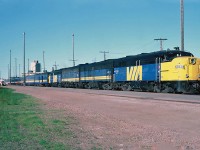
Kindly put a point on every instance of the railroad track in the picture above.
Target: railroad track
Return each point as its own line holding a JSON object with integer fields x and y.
{"x": 176, "y": 98}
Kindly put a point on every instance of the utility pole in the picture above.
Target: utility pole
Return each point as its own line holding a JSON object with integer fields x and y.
{"x": 19, "y": 70}
{"x": 73, "y": 50}
{"x": 104, "y": 52}
{"x": 161, "y": 42}
{"x": 28, "y": 66}
{"x": 55, "y": 66}
{"x": 13, "y": 70}
{"x": 16, "y": 67}
{"x": 24, "y": 61}
{"x": 43, "y": 61}
{"x": 182, "y": 25}
{"x": 10, "y": 66}
{"x": 8, "y": 72}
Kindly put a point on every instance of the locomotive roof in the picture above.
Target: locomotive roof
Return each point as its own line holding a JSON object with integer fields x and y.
{"x": 142, "y": 56}
{"x": 161, "y": 53}
{"x": 147, "y": 58}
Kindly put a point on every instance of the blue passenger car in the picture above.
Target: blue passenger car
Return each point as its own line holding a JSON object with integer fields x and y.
{"x": 94, "y": 75}
{"x": 30, "y": 80}
{"x": 39, "y": 79}
{"x": 70, "y": 77}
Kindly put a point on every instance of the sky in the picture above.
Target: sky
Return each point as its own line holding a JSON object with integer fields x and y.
{"x": 120, "y": 27}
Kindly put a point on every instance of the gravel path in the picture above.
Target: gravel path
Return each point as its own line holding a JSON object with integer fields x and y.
{"x": 127, "y": 120}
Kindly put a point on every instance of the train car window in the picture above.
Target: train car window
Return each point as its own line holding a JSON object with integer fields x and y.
{"x": 165, "y": 58}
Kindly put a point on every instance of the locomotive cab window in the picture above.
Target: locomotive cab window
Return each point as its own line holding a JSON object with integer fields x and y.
{"x": 165, "y": 58}
{"x": 192, "y": 61}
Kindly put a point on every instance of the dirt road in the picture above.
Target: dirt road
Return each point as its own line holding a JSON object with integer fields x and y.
{"x": 136, "y": 121}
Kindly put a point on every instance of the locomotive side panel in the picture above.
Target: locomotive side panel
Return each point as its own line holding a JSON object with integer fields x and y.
{"x": 96, "y": 75}
{"x": 120, "y": 74}
{"x": 30, "y": 80}
{"x": 180, "y": 69}
{"x": 70, "y": 75}
{"x": 181, "y": 74}
{"x": 132, "y": 73}
{"x": 136, "y": 73}
{"x": 176, "y": 70}
{"x": 150, "y": 72}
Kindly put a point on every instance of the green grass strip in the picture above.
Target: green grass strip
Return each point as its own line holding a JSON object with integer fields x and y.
{"x": 22, "y": 127}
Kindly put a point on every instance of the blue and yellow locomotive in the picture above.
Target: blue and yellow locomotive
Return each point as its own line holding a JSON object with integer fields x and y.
{"x": 162, "y": 71}
{"x": 170, "y": 71}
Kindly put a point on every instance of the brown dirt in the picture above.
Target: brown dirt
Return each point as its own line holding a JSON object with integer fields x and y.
{"x": 133, "y": 122}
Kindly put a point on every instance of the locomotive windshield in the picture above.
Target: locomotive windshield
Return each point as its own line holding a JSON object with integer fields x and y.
{"x": 171, "y": 55}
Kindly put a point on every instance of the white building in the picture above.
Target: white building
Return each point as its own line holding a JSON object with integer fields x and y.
{"x": 35, "y": 67}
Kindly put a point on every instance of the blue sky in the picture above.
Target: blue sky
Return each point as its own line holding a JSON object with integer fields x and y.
{"x": 122, "y": 27}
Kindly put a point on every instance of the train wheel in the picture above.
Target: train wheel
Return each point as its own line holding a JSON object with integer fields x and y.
{"x": 126, "y": 87}
{"x": 106, "y": 87}
{"x": 168, "y": 90}
{"x": 156, "y": 89}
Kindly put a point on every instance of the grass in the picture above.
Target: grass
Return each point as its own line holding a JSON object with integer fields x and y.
{"x": 23, "y": 125}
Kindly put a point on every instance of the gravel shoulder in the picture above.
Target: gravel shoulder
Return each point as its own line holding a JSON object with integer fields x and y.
{"x": 126, "y": 120}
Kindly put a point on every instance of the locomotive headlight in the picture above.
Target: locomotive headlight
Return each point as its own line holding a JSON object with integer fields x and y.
{"x": 193, "y": 61}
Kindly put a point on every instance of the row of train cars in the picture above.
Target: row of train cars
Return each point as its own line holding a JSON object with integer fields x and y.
{"x": 169, "y": 71}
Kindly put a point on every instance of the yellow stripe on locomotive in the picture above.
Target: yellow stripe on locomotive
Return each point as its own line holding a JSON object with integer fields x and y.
{"x": 71, "y": 79}
{"x": 134, "y": 73}
{"x": 96, "y": 78}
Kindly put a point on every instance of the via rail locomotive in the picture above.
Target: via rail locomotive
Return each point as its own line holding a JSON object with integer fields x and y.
{"x": 170, "y": 71}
